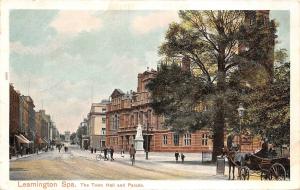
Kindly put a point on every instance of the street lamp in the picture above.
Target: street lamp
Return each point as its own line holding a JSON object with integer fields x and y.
{"x": 147, "y": 141}
{"x": 240, "y": 110}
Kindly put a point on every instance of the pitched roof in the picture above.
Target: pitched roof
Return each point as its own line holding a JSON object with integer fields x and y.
{"x": 116, "y": 93}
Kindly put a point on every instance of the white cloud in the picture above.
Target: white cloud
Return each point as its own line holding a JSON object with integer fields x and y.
{"x": 74, "y": 22}
{"x": 45, "y": 48}
{"x": 153, "y": 21}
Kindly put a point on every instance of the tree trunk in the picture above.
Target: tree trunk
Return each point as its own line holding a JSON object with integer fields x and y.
{"x": 219, "y": 124}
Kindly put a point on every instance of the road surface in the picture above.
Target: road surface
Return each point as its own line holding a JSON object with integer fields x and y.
{"x": 78, "y": 164}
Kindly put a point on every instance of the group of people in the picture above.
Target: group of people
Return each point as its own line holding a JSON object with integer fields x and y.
{"x": 106, "y": 151}
{"x": 182, "y": 156}
{"x": 59, "y": 146}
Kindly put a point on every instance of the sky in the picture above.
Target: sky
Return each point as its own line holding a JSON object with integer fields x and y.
{"x": 65, "y": 60}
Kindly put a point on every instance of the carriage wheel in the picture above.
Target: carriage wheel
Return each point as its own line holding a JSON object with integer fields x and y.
{"x": 277, "y": 172}
{"x": 264, "y": 174}
{"x": 244, "y": 173}
{"x": 98, "y": 157}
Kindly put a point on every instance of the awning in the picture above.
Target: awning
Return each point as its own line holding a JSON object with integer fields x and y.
{"x": 22, "y": 140}
{"x": 25, "y": 138}
{"x": 39, "y": 140}
{"x": 46, "y": 141}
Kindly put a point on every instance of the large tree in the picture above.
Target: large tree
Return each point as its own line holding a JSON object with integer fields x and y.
{"x": 210, "y": 40}
{"x": 269, "y": 106}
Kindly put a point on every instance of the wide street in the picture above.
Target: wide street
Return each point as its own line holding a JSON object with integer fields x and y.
{"x": 78, "y": 164}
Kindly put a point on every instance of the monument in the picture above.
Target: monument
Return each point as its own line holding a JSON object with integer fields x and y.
{"x": 139, "y": 141}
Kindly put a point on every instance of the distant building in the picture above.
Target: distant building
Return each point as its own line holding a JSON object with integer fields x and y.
{"x": 82, "y": 134}
{"x": 96, "y": 122}
{"x": 31, "y": 118}
{"x": 45, "y": 126}
{"x": 38, "y": 128}
{"x": 67, "y": 136}
{"x": 24, "y": 116}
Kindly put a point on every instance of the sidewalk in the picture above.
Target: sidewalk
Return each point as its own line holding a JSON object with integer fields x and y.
{"x": 13, "y": 158}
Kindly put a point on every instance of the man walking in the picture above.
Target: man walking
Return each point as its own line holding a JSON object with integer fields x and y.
{"x": 182, "y": 157}
{"x": 176, "y": 156}
{"x": 105, "y": 153}
{"x": 112, "y": 153}
{"x": 132, "y": 152}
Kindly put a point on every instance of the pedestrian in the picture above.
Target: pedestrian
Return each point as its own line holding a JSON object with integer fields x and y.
{"x": 92, "y": 150}
{"x": 95, "y": 150}
{"x": 105, "y": 153}
{"x": 176, "y": 156}
{"x": 111, "y": 153}
{"x": 182, "y": 157}
{"x": 59, "y": 147}
{"x": 132, "y": 152}
{"x": 22, "y": 151}
{"x": 122, "y": 153}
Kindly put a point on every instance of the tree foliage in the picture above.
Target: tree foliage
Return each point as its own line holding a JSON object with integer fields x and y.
{"x": 268, "y": 106}
{"x": 72, "y": 136}
{"x": 210, "y": 40}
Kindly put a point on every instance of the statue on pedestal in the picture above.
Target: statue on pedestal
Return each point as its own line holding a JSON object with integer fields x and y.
{"x": 139, "y": 140}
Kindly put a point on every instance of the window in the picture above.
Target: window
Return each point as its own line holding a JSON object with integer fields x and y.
{"x": 103, "y": 109}
{"x": 116, "y": 122}
{"x": 165, "y": 139}
{"x": 187, "y": 139}
{"x": 176, "y": 139}
{"x": 103, "y": 119}
{"x": 103, "y": 131}
{"x": 204, "y": 139}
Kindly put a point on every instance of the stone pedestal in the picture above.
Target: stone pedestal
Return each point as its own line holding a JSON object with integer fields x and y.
{"x": 139, "y": 141}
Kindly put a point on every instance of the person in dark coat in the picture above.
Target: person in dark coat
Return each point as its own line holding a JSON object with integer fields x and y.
{"x": 176, "y": 156}
{"x": 105, "y": 153}
{"x": 182, "y": 157}
{"x": 92, "y": 150}
{"x": 112, "y": 153}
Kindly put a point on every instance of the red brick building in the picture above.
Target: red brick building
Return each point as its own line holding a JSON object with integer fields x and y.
{"x": 14, "y": 114}
{"x": 126, "y": 110}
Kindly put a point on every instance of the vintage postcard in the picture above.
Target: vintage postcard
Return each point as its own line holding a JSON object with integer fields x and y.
{"x": 147, "y": 95}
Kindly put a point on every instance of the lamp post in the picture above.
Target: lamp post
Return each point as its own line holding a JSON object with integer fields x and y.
{"x": 147, "y": 141}
{"x": 240, "y": 110}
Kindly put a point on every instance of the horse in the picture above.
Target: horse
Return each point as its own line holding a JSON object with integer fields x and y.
{"x": 235, "y": 159}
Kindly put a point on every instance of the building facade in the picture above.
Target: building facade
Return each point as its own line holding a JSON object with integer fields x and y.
{"x": 67, "y": 136}
{"x": 128, "y": 110}
{"x": 31, "y": 118}
{"x": 14, "y": 115}
{"x": 38, "y": 128}
{"x": 45, "y": 120}
{"x": 24, "y": 116}
{"x": 96, "y": 122}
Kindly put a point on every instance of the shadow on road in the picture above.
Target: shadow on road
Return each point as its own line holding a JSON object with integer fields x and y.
{"x": 17, "y": 169}
{"x": 189, "y": 163}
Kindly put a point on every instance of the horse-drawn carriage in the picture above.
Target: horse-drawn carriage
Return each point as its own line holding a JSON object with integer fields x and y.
{"x": 258, "y": 164}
